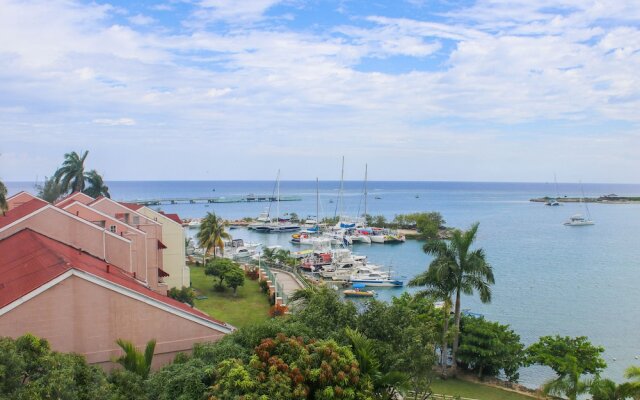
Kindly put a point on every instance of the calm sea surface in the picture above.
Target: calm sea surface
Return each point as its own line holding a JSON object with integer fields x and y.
{"x": 550, "y": 279}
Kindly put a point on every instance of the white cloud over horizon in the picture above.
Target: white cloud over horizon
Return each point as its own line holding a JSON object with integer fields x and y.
{"x": 497, "y": 91}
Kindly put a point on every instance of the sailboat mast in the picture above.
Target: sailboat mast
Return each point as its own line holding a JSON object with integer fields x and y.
{"x": 278, "y": 198}
{"x": 365, "y": 190}
{"x": 318, "y": 205}
{"x": 341, "y": 189}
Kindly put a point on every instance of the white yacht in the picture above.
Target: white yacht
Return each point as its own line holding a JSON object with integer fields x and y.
{"x": 578, "y": 220}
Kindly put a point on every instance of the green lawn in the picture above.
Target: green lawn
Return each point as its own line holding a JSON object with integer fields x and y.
{"x": 248, "y": 307}
{"x": 472, "y": 390}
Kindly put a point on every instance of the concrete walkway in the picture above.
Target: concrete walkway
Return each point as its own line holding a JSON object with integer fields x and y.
{"x": 287, "y": 280}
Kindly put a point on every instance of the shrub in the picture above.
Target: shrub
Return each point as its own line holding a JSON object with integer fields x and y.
{"x": 185, "y": 295}
{"x": 252, "y": 274}
{"x": 277, "y": 310}
{"x": 264, "y": 286}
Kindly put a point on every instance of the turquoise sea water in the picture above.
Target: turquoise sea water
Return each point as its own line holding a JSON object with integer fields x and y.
{"x": 549, "y": 278}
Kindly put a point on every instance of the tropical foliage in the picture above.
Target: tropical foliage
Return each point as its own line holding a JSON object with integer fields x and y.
{"x": 29, "y": 369}
{"x": 570, "y": 358}
{"x": 96, "y": 186}
{"x": 211, "y": 235}
{"x": 489, "y": 348}
{"x": 135, "y": 361}
{"x": 3, "y": 198}
{"x": 50, "y": 190}
{"x": 227, "y": 272}
{"x": 71, "y": 177}
{"x": 440, "y": 290}
{"x": 184, "y": 294}
{"x": 463, "y": 269}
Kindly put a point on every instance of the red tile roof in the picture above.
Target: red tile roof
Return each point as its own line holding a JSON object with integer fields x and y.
{"x": 29, "y": 260}
{"x": 173, "y": 217}
{"x": 133, "y": 206}
{"x": 62, "y": 203}
{"x": 21, "y": 211}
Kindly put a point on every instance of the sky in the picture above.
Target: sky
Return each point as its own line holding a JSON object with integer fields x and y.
{"x": 486, "y": 90}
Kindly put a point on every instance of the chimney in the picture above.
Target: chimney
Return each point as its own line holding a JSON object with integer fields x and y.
{"x": 134, "y": 275}
{"x": 77, "y": 213}
{"x": 108, "y": 268}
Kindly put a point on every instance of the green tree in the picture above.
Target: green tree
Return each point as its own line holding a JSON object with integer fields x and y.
{"x": 465, "y": 269}
{"x": 292, "y": 368}
{"x": 30, "y": 370}
{"x": 380, "y": 221}
{"x": 3, "y": 198}
{"x": 606, "y": 389}
{"x": 235, "y": 278}
{"x": 219, "y": 268}
{"x": 185, "y": 295}
{"x": 50, "y": 191}
{"x": 385, "y": 385}
{"x": 134, "y": 361}
{"x": 570, "y": 358}
{"x": 428, "y": 224}
{"x": 211, "y": 235}
{"x": 489, "y": 347}
{"x": 325, "y": 314}
{"x": 180, "y": 381}
{"x": 71, "y": 175}
{"x": 442, "y": 290}
{"x": 127, "y": 385}
{"x": 96, "y": 187}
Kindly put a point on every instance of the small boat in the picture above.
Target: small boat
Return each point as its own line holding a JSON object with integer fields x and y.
{"x": 377, "y": 197}
{"x": 374, "y": 278}
{"x": 552, "y": 202}
{"x": 578, "y": 220}
{"x": 417, "y": 196}
{"x": 194, "y": 224}
{"x": 358, "y": 292}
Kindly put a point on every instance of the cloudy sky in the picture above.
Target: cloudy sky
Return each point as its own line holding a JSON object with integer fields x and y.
{"x": 485, "y": 90}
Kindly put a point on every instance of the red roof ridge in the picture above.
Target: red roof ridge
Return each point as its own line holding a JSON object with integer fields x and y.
{"x": 21, "y": 211}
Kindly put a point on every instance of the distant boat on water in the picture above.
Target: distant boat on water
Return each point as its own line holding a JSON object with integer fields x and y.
{"x": 578, "y": 219}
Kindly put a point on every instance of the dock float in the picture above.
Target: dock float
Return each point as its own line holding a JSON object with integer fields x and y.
{"x": 209, "y": 200}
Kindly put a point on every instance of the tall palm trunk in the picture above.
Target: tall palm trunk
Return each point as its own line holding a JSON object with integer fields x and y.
{"x": 456, "y": 337}
{"x": 444, "y": 350}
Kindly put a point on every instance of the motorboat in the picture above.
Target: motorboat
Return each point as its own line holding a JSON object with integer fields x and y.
{"x": 578, "y": 220}
{"x": 374, "y": 278}
{"x": 194, "y": 223}
{"x": 386, "y": 237}
{"x": 357, "y": 291}
{"x": 552, "y": 202}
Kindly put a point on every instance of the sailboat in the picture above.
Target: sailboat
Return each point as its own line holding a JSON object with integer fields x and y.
{"x": 578, "y": 219}
{"x": 554, "y": 202}
{"x": 278, "y": 226}
{"x": 357, "y": 234}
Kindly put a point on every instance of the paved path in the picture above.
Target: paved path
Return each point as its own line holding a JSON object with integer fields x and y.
{"x": 287, "y": 280}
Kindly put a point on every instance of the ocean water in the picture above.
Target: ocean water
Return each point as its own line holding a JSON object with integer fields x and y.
{"x": 550, "y": 279}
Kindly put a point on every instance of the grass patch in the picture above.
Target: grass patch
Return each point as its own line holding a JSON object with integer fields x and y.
{"x": 249, "y": 306}
{"x": 456, "y": 387}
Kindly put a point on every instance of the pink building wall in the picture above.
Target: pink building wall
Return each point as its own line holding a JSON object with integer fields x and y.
{"x": 83, "y": 317}
{"x": 62, "y": 226}
{"x": 137, "y": 237}
{"x": 152, "y": 228}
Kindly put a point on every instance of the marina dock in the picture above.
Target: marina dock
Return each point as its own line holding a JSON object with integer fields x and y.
{"x": 221, "y": 199}
{"x": 609, "y": 199}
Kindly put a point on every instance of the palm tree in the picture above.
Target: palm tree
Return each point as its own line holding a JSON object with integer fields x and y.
{"x": 463, "y": 269}
{"x": 134, "y": 361}
{"x": 3, "y": 198}
{"x": 440, "y": 289}
{"x": 384, "y": 385}
{"x": 211, "y": 234}
{"x": 606, "y": 389}
{"x": 96, "y": 187}
{"x": 71, "y": 174}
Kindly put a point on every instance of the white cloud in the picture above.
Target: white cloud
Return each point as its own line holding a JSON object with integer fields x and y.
{"x": 142, "y": 20}
{"x": 115, "y": 122}
{"x": 488, "y": 70}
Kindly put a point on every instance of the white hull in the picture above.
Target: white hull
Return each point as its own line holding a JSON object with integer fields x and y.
{"x": 377, "y": 239}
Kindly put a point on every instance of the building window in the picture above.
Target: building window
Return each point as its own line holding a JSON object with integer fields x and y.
{"x": 112, "y": 228}
{"x": 136, "y": 220}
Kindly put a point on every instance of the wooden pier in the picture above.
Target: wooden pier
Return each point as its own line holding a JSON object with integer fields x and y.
{"x": 209, "y": 200}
